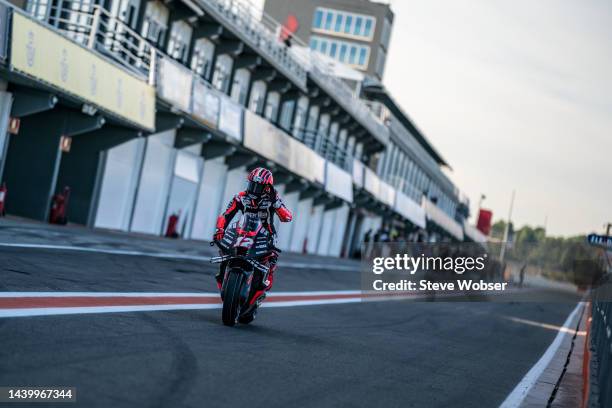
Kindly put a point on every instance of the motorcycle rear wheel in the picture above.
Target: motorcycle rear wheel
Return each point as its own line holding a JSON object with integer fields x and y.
{"x": 231, "y": 298}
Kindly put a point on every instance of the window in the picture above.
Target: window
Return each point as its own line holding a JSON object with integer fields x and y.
{"x": 323, "y": 124}
{"x": 367, "y": 30}
{"x": 359, "y": 151}
{"x": 124, "y": 10}
{"x": 203, "y": 54}
{"x": 328, "y": 20}
{"x": 323, "y": 48}
{"x": 348, "y": 24}
{"x": 342, "y": 56}
{"x": 332, "y": 49}
{"x": 286, "y": 115}
{"x": 358, "y": 22}
{"x": 271, "y": 111}
{"x": 344, "y": 51}
{"x": 341, "y": 147}
{"x": 223, "y": 69}
{"x": 155, "y": 22}
{"x": 338, "y": 26}
{"x": 300, "y": 117}
{"x": 313, "y": 43}
{"x": 343, "y": 23}
{"x": 318, "y": 18}
{"x": 258, "y": 93}
{"x": 240, "y": 86}
{"x": 311, "y": 124}
{"x": 353, "y": 54}
{"x": 321, "y": 132}
{"x": 333, "y": 131}
{"x": 180, "y": 37}
{"x": 362, "y": 56}
{"x": 38, "y": 9}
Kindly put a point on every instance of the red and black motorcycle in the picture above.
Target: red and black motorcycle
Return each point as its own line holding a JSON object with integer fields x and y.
{"x": 245, "y": 251}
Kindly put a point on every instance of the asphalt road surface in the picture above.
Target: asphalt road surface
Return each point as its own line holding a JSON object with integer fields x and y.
{"x": 392, "y": 354}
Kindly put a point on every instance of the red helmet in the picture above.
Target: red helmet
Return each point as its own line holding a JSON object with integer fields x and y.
{"x": 260, "y": 181}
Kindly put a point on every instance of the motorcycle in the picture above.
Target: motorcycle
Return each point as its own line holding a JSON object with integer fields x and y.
{"x": 244, "y": 251}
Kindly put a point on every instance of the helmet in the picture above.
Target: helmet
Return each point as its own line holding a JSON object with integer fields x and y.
{"x": 260, "y": 181}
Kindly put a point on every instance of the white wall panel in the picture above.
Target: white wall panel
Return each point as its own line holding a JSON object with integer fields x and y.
{"x": 184, "y": 191}
{"x": 301, "y": 222}
{"x": 338, "y": 182}
{"x": 153, "y": 187}
{"x": 209, "y": 203}
{"x": 119, "y": 185}
{"x": 337, "y": 237}
{"x": 277, "y": 224}
{"x": 314, "y": 229}
{"x": 234, "y": 183}
{"x": 285, "y": 229}
{"x": 6, "y": 100}
{"x": 327, "y": 228}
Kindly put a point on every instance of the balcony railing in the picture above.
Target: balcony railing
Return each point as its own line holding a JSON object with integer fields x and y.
{"x": 327, "y": 149}
{"x": 95, "y": 27}
{"x": 427, "y": 162}
{"x": 242, "y": 17}
{"x": 255, "y": 22}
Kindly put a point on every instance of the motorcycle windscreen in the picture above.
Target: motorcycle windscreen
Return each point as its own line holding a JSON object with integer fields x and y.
{"x": 248, "y": 233}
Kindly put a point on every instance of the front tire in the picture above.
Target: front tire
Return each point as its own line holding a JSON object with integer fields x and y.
{"x": 231, "y": 298}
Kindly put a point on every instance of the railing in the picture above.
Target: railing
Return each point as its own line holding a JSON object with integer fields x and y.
{"x": 94, "y": 27}
{"x": 403, "y": 185}
{"x": 601, "y": 347}
{"x": 428, "y": 163}
{"x": 328, "y": 149}
{"x": 242, "y": 17}
{"x": 254, "y": 22}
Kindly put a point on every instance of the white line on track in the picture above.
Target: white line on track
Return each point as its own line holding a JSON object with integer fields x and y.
{"x": 516, "y": 397}
{"x": 168, "y": 255}
{"x": 53, "y": 311}
{"x": 165, "y": 294}
{"x": 343, "y": 297}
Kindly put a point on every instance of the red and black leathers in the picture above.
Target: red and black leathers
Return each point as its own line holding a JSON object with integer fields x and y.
{"x": 267, "y": 206}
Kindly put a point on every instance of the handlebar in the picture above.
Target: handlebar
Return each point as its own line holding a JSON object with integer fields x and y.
{"x": 273, "y": 247}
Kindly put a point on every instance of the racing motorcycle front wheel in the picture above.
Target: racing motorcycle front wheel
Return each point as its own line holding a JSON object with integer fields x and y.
{"x": 231, "y": 297}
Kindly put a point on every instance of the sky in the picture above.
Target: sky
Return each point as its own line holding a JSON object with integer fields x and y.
{"x": 515, "y": 95}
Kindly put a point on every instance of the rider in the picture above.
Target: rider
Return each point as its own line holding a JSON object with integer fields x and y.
{"x": 261, "y": 197}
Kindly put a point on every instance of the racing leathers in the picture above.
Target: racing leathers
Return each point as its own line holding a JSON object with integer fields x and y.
{"x": 267, "y": 206}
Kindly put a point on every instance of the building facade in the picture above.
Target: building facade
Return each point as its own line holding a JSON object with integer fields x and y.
{"x": 354, "y": 32}
{"x": 147, "y": 110}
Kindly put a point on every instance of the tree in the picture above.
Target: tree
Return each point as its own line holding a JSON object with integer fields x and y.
{"x": 497, "y": 229}
{"x": 555, "y": 256}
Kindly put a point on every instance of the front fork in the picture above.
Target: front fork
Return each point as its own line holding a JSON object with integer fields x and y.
{"x": 258, "y": 293}
{"x": 246, "y": 290}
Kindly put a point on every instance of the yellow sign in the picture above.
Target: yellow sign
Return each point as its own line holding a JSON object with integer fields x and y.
{"x": 46, "y": 55}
